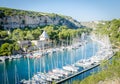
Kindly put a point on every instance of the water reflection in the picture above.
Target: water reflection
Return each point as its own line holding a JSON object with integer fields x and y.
{"x": 44, "y": 64}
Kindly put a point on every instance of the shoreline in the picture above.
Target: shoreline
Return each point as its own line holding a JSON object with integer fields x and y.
{"x": 42, "y": 52}
{"x": 105, "y": 53}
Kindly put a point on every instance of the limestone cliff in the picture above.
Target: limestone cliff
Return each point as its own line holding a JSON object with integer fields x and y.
{"x": 13, "y": 18}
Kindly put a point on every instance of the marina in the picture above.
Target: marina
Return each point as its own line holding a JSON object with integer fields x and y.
{"x": 60, "y": 64}
{"x": 58, "y": 82}
{"x": 105, "y": 53}
{"x": 49, "y": 42}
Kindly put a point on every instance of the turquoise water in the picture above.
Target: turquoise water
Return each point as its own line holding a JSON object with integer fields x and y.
{"x": 8, "y": 72}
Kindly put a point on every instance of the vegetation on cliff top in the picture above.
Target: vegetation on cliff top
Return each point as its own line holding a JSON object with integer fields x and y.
{"x": 11, "y": 12}
{"x": 40, "y": 18}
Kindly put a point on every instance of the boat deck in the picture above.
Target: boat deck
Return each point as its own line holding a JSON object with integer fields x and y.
{"x": 86, "y": 69}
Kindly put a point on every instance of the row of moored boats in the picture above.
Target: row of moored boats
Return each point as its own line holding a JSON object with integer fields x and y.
{"x": 105, "y": 52}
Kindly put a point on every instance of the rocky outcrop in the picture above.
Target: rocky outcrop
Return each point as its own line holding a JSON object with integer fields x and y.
{"x": 12, "y": 18}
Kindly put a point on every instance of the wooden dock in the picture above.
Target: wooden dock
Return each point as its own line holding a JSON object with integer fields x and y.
{"x": 78, "y": 73}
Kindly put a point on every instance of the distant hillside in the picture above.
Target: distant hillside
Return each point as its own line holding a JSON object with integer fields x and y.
{"x": 92, "y": 24}
{"x": 14, "y": 18}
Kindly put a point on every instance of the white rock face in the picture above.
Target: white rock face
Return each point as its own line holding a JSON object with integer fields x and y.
{"x": 18, "y": 21}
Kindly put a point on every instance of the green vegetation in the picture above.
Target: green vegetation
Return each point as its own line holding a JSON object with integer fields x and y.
{"x": 12, "y": 12}
{"x": 111, "y": 28}
{"x": 56, "y": 34}
{"x": 3, "y": 34}
{"x": 111, "y": 69}
{"x": 8, "y": 49}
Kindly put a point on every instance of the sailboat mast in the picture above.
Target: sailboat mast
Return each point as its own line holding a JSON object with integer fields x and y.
{"x": 4, "y": 73}
{"x": 28, "y": 69}
{"x": 15, "y": 75}
{"x": 62, "y": 55}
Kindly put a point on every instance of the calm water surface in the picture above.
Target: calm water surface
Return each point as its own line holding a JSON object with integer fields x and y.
{"x": 18, "y": 69}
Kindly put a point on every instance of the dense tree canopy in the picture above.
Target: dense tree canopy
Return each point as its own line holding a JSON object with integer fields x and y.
{"x": 3, "y": 34}
{"x": 56, "y": 34}
{"x": 8, "y": 49}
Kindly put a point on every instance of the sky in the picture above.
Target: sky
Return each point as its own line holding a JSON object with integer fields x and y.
{"x": 81, "y": 10}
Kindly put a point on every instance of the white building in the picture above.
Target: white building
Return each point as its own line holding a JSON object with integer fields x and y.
{"x": 43, "y": 42}
{"x": 44, "y": 36}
